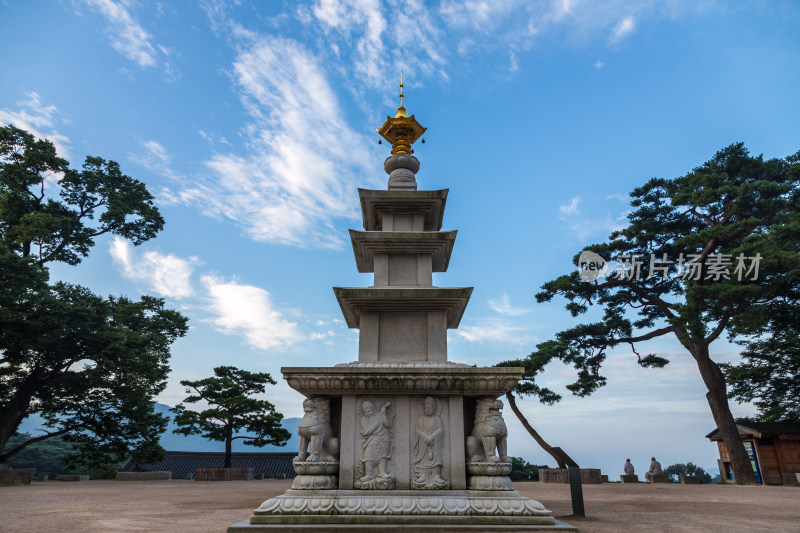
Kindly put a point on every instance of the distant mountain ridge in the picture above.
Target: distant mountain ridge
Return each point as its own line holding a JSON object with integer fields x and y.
{"x": 194, "y": 443}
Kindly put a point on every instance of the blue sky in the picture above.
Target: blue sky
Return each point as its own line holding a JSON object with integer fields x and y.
{"x": 253, "y": 123}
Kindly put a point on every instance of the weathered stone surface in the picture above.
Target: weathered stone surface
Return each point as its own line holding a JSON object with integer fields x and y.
{"x": 458, "y": 524}
{"x": 401, "y": 169}
{"x": 143, "y": 476}
{"x": 488, "y": 440}
{"x": 11, "y": 477}
{"x": 376, "y": 204}
{"x": 317, "y": 441}
{"x": 658, "y": 478}
{"x": 402, "y": 502}
{"x": 373, "y": 470}
{"x": 315, "y": 482}
{"x": 690, "y": 480}
{"x": 629, "y": 478}
{"x": 412, "y": 378}
{"x": 429, "y": 446}
{"x": 437, "y": 246}
{"x": 355, "y": 300}
{"x": 604, "y": 478}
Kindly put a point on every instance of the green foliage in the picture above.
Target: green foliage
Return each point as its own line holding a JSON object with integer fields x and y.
{"x": 231, "y": 410}
{"x": 674, "y": 472}
{"x": 521, "y": 470}
{"x": 50, "y": 456}
{"x": 47, "y": 457}
{"x": 769, "y": 374}
{"x": 93, "y": 201}
{"x": 733, "y": 205}
{"x": 89, "y": 365}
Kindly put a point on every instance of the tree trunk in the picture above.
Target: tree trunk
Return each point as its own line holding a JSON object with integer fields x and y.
{"x": 228, "y": 441}
{"x": 538, "y": 438}
{"x": 718, "y": 401}
{"x": 12, "y": 416}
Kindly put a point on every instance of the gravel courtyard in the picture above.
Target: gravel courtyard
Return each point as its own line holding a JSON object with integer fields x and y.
{"x": 200, "y": 507}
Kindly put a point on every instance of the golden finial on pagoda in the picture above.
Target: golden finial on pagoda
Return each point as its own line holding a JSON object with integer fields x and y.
{"x": 401, "y": 111}
{"x": 402, "y": 131}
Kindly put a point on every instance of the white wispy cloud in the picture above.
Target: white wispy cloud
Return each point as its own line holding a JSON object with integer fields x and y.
{"x": 599, "y": 64}
{"x": 248, "y": 311}
{"x": 618, "y": 196}
{"x": 380, "y": 38}
{"x": 39, "y": 120}
{"x": 127, "y": 36}
{"x": 504, "y": 307}
{"x": 570, "y": 208}
{"x": 364, "y": 17}
{"x": 494, "y": 330}
{"x": 586, "y": 225}
{"x": 166, "y": 274}
{"x": 156, "y": 158}
{"x": 625, "y": 27}
{"x": 302, "y": 161}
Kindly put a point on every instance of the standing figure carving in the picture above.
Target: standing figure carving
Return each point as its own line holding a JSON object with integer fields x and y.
{"x": 317, "y": 443}
{"x": 488, "y": 434}
{"x": 428, "y": 447}
{"x": 376, "y": 448}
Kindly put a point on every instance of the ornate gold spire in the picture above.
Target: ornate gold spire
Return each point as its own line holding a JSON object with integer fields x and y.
{"x": 401, "y": 111}
{"x": 402, "y": 131}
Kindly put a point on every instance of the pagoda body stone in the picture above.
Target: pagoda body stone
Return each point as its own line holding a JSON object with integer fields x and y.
{"x": 402, "y": 437}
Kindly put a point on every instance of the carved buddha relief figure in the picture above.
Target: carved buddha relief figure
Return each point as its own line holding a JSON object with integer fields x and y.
{"x": 376, "y": 448}
{"x": 428, "y": 448}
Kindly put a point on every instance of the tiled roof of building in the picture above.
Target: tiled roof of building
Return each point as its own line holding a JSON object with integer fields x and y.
{"x": 183, "y": 464}
{"x": 758, "y": 429}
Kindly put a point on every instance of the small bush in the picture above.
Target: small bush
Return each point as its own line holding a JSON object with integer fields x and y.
{"x": 522, "y": 470}
{"x": 674, "y": 472}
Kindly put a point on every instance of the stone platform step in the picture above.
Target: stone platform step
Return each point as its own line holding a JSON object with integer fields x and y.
{"x": 246, "y": 527}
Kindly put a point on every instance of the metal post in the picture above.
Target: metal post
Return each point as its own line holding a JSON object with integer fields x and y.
{"x": 576, "y": 491}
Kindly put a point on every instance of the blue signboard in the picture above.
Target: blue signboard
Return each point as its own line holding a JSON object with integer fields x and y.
{"x": 748, "y": 445}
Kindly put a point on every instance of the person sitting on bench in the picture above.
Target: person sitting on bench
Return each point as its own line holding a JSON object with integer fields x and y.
{"x": 655, "y": 470}
{"x": 628, "y": 468}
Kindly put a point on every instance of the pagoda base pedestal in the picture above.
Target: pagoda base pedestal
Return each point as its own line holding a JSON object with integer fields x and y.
{"x": 387, "y": 511}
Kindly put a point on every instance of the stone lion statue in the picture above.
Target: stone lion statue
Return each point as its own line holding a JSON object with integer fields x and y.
{"x": 317, "y": 443}
{"x": 488, "y": 434}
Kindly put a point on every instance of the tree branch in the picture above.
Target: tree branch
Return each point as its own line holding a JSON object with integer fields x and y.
{"x": 27, "y": 443}
{"x": 512, "y": 402}
{"x": 719, "y": 329}
{"x": 646, "y": 337}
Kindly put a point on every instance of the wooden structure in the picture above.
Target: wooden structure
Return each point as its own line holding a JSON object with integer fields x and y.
{"x": 774, "y": 450}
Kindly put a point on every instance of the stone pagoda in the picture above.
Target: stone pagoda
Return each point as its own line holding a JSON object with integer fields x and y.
{"x": 402, "y": 437}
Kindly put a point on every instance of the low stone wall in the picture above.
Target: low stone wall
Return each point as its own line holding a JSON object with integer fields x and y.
{"x": 659, "y": 479}
{"x": 22, "y": 476}
{"x": 223, "y": 474}
{"x": 589, "y": 476}
{"x": 629, "y": 478}
{"x": 72, "y": 478}
{"x": 690, "y": 480}
{"x": 143, "y": 476}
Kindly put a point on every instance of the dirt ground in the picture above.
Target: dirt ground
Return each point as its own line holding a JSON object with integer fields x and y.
{"x": 199, "y": 507}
